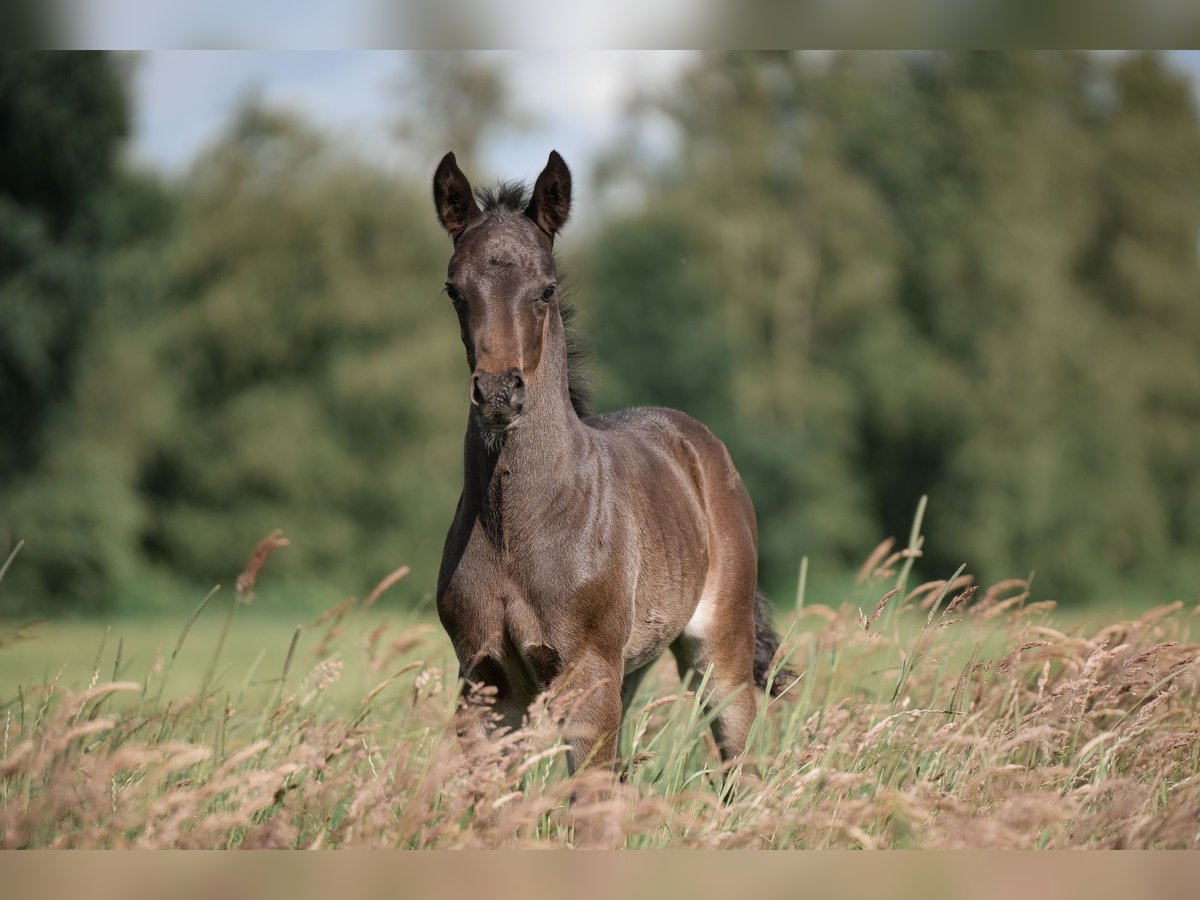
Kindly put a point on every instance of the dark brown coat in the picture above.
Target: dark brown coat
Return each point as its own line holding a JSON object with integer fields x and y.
{"x": 582, "y": 546}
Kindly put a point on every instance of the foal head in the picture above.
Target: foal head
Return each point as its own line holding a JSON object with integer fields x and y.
{"x": 502, "y": 282}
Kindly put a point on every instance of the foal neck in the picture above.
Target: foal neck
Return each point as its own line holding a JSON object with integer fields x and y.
{"x": 513, "y": 472}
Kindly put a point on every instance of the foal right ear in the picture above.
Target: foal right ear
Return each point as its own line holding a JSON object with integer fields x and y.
{"x": 452, "y": 197}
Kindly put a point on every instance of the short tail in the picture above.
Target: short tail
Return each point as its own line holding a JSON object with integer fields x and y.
{"x": 766, "y": 645}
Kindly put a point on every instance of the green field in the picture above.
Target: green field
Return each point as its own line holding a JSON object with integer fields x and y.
{"x": 74, "y": 653}
{"x": 985, "y": 721}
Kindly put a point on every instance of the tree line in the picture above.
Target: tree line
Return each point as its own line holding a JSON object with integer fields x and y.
{"x": 967, "y": 275}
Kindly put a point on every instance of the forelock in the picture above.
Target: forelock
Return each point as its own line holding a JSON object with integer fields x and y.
{"x": 504, "y": 196}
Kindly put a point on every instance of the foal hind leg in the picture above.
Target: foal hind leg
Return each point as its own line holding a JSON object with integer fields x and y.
{"x": 720, "y": 637}
{"x": 629, "y": 688}
{"x": 630, "y": 684}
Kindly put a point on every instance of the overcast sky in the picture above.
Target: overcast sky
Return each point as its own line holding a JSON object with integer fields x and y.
{"x": 183, "y": 98}
{"x": 576, "y": 99}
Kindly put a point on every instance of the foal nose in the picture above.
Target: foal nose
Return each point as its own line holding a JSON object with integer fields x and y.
{"x": 506, "y": 390}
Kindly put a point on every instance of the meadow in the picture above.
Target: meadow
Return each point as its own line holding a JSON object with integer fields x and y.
{"x": 938, "y": 715}
{"x": 966, "y": 274}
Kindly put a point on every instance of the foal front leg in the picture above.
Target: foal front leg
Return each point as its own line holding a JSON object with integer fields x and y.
{"x": 484, "y": 705}
{"x": 592, "y": 689}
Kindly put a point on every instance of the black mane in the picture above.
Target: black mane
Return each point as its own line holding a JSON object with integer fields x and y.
{"x": 503, "y": 195}
{"x": 513, "y": 196}
{"x": 577, "y": 353}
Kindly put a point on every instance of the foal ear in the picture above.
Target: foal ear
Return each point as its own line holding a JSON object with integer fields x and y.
{"x": 452, "y": 197}
{"x": 551, "y": 201}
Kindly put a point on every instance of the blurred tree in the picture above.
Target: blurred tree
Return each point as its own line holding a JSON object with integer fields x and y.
{"x": 657, "y": 308}
{"x": 306, "y": 357}
{"x": 972, "y": 275}
{"x": 63, "y": 117}
{"x": 278, "y": 355}
{"x": 945, "y": 273}
{"x": 454, "y": 101}
{"x": 74, "y": 230}
{"x": 1140, "y": 266}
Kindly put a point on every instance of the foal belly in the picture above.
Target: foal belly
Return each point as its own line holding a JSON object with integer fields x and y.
{"x": 650, "y": 638}
{"x": 672, "y": 563}
{"x": 664, "y": 601}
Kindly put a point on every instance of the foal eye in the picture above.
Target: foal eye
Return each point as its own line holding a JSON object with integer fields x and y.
{"x": 548, "y": 293}
{"x": 454, "y": 294}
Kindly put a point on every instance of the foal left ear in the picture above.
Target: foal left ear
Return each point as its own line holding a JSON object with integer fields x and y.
{"x": 550, "y": 204}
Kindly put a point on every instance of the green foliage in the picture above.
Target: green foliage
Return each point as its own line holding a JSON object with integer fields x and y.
{"x": 648, "y": 305}
{"x": 305, "y": 353}
{"x": 68, "y": 216}
{"x": 62, "y": 118}
{"x": 285, "y": 366}
{"x": 972, "y": 276}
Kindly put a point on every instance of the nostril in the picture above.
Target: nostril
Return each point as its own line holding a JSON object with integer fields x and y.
{"x": 477, "y": 398}
{"x": 515, "y": 385}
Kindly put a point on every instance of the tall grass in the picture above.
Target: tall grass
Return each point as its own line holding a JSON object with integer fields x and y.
{"x": 936, "y": 716}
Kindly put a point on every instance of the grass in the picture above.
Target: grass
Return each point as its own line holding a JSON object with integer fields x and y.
{"x": 928, "y": 716}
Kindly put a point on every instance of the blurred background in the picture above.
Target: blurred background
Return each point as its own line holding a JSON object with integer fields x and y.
{"x": 974, "y": 276}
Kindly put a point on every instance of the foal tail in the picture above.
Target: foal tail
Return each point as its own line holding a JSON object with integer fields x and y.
{"x": 766, "y": 645}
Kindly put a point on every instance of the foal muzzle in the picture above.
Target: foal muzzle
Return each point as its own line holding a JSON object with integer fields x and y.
{"x": 500, "y": 399}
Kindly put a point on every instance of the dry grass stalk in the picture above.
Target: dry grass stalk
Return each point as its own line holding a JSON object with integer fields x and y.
{"x": 383, "y": 585}
{"x": 991, "y": 728}
{"x": 244, "y": 585}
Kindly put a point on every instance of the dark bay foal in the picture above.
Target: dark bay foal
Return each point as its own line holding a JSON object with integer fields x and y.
{"x": 583, "y": 546}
